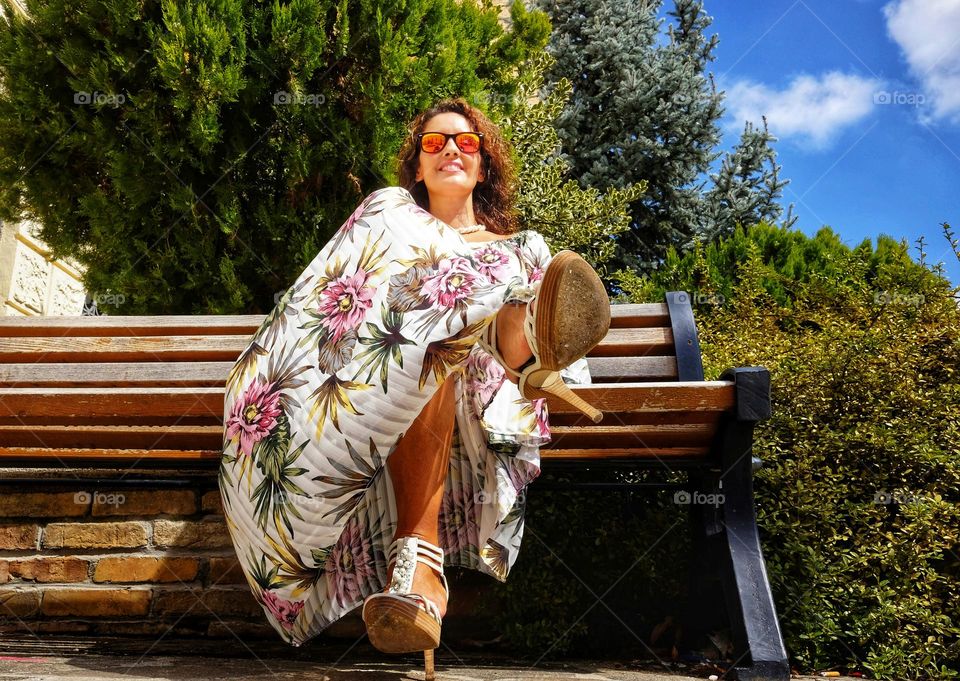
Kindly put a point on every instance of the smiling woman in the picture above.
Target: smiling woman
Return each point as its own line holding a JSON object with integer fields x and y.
{"x": 487, "y": 171}
{"x": 349, "y": 458}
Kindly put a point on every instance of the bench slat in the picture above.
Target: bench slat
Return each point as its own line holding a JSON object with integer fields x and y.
{"x": 634, "y": 343}
{"x": 115, "y": 374}
{"x": 621, "y": 316}
{"x": 626, "y": 453}
{"x": 127, "y": 456}
{"x": 211, "y": 456}
{"x": 107, "y": 325}
{"x": 111, "y": 402}
{"x": 646, "y": 435}
{"x": 681, "y": 396}
{"x": 113, "y": 437}
{"x": 602, "y": 369}
{"x": 639, "y": 315}
{"x": 208, "y": 401}
{"x": 121, "y": 349}
{"x": 620, "y": 369}
{"x": 145, "y": 349}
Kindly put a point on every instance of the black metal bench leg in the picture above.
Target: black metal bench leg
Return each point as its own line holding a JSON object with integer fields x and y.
{"x": 751, "y": 609}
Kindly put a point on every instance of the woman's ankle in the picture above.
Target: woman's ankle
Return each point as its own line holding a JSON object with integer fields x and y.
{"x": 511, "y": 340}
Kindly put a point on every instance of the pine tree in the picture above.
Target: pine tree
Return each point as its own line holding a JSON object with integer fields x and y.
{"x": 745, "y": 189}
{"x": 568, "y": 215}
{"x": 639, "y": 111}
{"x": 194, "y": 155}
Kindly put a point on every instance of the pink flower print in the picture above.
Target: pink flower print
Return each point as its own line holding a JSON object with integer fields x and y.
{"x": 491, "y": 263}
{"x": 254, "y": 415}
{"x": 284, "y": 611}
{"x": 540, "y": 414}
{"x": 452, "y": 282}
{"x": 485, "y": 376}
{"x": 458, "y": 525}
{"x": 350, "y": 564}
{"x": 536, "y": 274}
{"x": 416, "y": 209}
{"x": 344, "y": 303}
{"x": 348, "y": 225}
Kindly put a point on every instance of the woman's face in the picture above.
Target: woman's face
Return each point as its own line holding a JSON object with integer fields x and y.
{"x": 449, "y": 171}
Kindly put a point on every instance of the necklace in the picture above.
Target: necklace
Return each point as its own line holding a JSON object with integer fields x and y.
{"x": 470, "y": 229}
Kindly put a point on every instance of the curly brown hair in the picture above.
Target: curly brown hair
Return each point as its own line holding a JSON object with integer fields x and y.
{"x": 493, "y": 199}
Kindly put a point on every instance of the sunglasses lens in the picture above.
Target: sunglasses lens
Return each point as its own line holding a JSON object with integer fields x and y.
{"x": 432, "y": 142}
{"x": 468, "y": 142}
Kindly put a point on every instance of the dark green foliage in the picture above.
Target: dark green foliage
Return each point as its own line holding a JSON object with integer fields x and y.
{"x": 858, "y": 497}
{"x": 194, "y": 156}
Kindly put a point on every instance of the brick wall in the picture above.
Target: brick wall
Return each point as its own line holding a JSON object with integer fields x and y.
{"x": 121, "y": 561}
{"x": 97, "y": 560}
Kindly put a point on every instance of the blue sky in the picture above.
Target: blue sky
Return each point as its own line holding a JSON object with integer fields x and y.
{"x": 864, "y": 96}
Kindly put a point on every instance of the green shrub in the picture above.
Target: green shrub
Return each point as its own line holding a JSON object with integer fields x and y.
{"x": 863, "y": 346}
{"x": 858, "y": 496}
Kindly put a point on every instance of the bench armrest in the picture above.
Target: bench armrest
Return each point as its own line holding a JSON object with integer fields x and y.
{"x": 752, "y": 385}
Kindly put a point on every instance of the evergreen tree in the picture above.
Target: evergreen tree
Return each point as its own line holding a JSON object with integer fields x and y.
{"x": 194, "y": 155}
{"x": 645, "y": 108}
{"x": 639, "y": 110}
{"x": 746, "y": 188}
{"x": 568, "y": 215}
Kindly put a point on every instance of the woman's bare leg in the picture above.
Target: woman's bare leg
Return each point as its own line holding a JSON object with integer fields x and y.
{"x": 418, "y": 467}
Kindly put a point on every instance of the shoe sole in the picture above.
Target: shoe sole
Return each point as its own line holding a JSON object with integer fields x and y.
{"x": 398, "y": 626}
{"x": 571, "y": 301}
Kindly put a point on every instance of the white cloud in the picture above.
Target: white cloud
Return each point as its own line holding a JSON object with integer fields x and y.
{"x": 812, "y": 108}
{"x": 928, "y": 33}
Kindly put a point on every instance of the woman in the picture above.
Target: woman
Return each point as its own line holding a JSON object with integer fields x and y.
{"x": 352, "y": 468}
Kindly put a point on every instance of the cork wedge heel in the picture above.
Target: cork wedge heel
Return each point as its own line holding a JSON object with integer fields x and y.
{"x": 399, "y": 621}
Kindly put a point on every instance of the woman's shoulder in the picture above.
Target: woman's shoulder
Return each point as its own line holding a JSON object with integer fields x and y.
{"x": 387, "y": 191}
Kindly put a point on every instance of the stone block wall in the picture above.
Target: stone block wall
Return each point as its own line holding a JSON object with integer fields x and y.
{"x": 31, "y": 282}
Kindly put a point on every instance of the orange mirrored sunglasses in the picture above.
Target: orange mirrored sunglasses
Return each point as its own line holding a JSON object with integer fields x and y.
{"x": 467, "y": 142}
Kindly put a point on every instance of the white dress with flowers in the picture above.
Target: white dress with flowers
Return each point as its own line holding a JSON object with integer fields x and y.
{"x": 391, "y": 307}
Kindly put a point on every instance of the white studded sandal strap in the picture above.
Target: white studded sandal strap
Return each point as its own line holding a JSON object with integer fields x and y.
{"x": 404, "y": 553}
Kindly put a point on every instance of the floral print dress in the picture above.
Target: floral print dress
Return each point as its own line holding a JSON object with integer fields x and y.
{"x": 390, "y": 308}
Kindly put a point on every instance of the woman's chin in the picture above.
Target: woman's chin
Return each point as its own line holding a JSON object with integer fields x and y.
{"x": 458, "y": 182}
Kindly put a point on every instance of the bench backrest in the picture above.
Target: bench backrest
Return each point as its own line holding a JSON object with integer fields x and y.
{"x": 149, "y": 390}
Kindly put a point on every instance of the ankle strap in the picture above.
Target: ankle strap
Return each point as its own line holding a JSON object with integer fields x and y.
{"x": 406, "y": 552}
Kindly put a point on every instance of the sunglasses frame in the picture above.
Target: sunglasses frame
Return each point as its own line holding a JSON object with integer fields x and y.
{"x": 447, "y": 136}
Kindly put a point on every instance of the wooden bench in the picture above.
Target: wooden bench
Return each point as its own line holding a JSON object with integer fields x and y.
{"x": 147, "y": 392}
